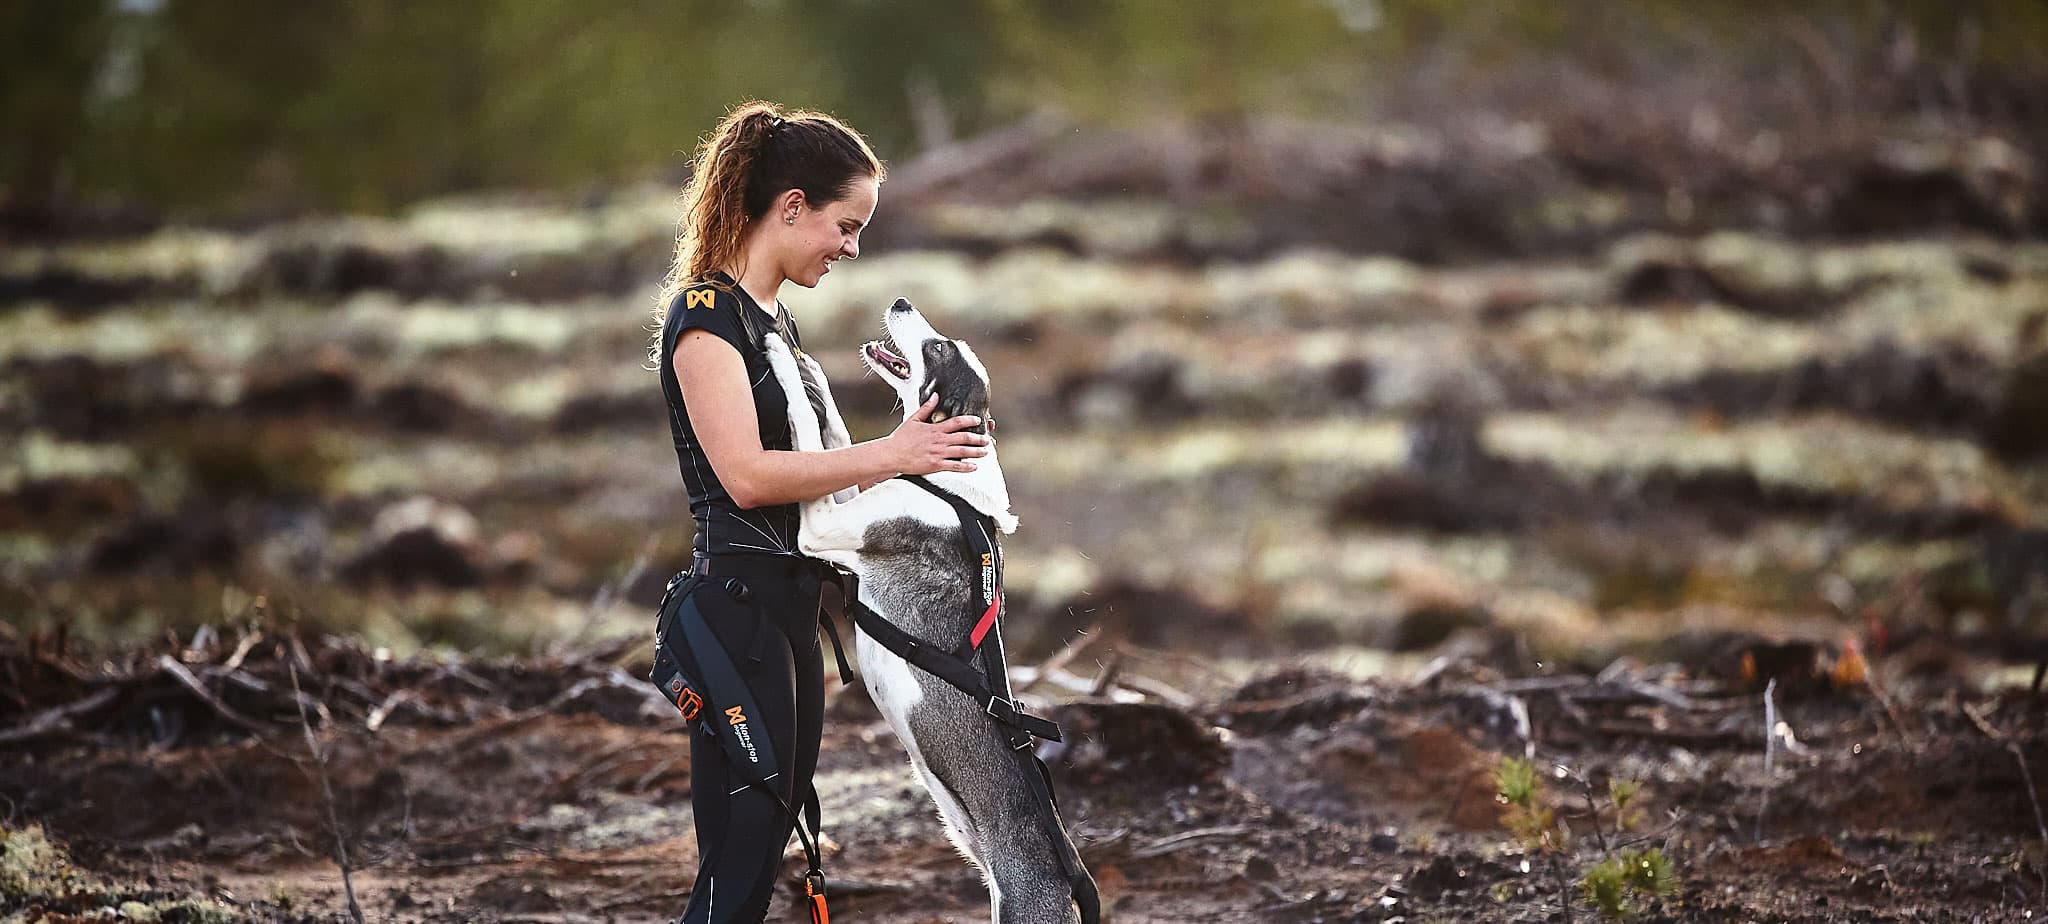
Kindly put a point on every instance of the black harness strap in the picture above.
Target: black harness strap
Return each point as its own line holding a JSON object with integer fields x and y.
{"x": 949, "y": 667}
{"x": 984, "y": 609}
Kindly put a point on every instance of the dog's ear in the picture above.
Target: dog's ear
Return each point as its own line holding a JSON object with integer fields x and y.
{"x": 960, "y": 389}
{"x": 957, "y": 397}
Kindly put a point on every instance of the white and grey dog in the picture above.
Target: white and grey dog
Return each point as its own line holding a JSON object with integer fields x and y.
{"x": 904, "y": 544}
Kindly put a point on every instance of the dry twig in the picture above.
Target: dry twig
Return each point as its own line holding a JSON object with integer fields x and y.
{"x": 2026, "y": 777}
{"x": 319, "y": 755}
{"x": 1870, "y": 682}
{"x": 1770, "y": 755}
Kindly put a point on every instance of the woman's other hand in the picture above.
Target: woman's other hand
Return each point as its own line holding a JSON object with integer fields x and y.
{"x": 923, "y": 448}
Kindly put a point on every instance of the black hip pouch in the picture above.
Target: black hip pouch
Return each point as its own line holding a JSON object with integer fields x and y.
{"x": 695, "y": 669}
{"x": 668, "y": 675}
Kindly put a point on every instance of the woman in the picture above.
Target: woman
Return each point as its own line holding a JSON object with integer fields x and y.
{"x": 775, "y": 197}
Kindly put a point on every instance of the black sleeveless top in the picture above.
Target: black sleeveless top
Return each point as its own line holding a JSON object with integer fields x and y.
{"x": 726, "y": 310}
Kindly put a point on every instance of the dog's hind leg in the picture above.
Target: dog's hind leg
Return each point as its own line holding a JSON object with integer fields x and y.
{"x": 990, "y": 807}
{"x": 1012, "y": 846}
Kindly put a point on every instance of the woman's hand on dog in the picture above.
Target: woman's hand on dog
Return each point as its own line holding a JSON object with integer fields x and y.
{"x": 924, "y": 448}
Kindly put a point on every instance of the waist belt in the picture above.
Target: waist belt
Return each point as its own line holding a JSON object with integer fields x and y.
{"x": 747, "y": 565}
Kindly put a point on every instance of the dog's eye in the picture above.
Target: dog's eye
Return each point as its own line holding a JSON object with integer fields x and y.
{"x": 937, "y": 347}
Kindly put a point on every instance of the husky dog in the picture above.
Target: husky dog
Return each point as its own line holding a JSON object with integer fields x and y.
{"x": 904, "y": 544}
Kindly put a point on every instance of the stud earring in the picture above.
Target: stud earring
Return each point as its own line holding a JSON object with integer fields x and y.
{"x": 789, "y": 219}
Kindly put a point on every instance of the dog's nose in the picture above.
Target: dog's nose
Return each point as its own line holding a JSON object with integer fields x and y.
{"x": 902, "y": 304}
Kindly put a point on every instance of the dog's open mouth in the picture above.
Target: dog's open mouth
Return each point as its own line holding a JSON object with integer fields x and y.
{"x": 880, "y": 357}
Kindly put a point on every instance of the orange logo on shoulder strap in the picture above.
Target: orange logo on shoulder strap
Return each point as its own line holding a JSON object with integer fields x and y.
{"x": 735, "y": 716}
{"x": 699, "y": 297}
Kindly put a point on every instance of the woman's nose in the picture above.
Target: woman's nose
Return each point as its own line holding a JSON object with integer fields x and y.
{"x": 851, "y": 249}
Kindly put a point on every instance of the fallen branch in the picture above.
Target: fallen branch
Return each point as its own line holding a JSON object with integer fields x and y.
{"x": 184, "y": 675}
{"x": 1059, "y": 660}
{"x": 242, "y": 650}
{"x": 1604, "y": 691}
{"x": 1158, "y": 690}
{"x": 57, "y": 719}
{"x": 1174, "y": 843}
{"x": 201, "y": 643}
{"x": 383, "y": 710}
{"x": 1108, "y": 675}
{"x": 1024, "y": 678}
{"x": 257, "y": 685}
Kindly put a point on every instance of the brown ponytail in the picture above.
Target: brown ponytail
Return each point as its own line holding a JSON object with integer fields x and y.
{"x": 754, "y": 154}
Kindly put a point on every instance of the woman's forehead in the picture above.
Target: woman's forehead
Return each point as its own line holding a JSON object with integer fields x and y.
{"x": 859, "y": 201}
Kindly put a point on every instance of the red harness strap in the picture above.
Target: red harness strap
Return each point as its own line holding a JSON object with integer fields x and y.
{"x": 987, "y": 622}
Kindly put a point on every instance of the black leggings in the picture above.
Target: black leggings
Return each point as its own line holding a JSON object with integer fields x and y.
{"x": 744, "y": 637}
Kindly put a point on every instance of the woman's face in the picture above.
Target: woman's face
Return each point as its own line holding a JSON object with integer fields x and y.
{"x": 824, "y": 233}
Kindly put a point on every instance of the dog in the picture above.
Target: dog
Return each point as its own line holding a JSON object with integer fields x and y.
{"x": 904, "y": 545}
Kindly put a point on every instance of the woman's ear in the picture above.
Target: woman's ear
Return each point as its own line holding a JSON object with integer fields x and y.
{"x": 789, "y": 205}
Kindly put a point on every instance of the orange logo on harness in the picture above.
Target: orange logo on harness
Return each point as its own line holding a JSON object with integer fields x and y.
{"x": 697, "y": 297}
{"x": 987, "y": 559}
{"x": 735, "y": 715}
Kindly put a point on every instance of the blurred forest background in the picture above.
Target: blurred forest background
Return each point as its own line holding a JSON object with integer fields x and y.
{"x": 1318, "y": 327}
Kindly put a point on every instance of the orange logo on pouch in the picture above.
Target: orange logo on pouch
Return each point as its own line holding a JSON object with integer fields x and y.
{"x": 735, "y": 715}
{"x": 696, "y": 298}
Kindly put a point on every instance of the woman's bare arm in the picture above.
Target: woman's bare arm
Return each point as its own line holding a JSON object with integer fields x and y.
{"x": 721, "y": 407}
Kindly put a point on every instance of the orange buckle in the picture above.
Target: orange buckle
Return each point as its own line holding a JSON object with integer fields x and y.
{"x": 690, "y": 703}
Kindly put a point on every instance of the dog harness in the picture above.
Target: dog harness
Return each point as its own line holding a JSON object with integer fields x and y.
{"x": 956, "y": 666}
{"x": 988, "y": 684}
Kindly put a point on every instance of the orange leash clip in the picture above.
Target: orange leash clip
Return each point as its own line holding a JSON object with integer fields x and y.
{"x": 814, "y": 888}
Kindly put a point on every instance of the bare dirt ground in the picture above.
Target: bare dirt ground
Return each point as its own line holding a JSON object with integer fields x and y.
{"x": 178, "y": 782}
